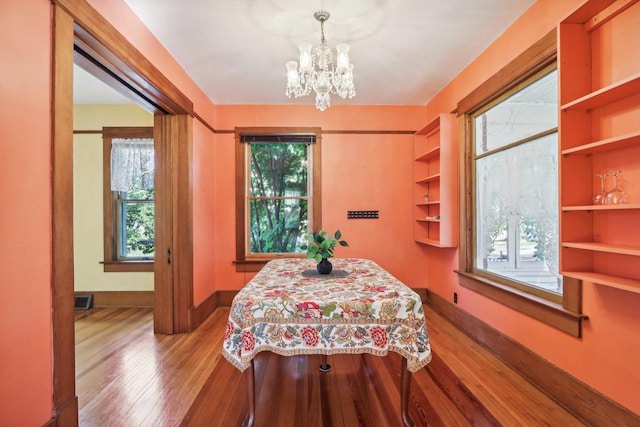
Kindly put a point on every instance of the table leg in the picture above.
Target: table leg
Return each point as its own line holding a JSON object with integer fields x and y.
{"x": 405, "y": 386}
{"x": 251, "y": 395}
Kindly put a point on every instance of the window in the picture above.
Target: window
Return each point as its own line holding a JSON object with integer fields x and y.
{"x": 129, "y": 208}
{"x": 509, "y": 205}
{"x": 278, "y": 192}
{"x": 515, "y": 156}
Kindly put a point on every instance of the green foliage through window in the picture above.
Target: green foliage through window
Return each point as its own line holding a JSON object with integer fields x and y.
{"x": 278, "y": 200}
{"x": 136, "y": 212}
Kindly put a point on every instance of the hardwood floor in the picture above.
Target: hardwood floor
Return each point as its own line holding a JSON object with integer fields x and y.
{"x": 126, "y": 376}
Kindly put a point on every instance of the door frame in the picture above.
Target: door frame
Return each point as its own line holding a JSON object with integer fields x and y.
{"x": 81, "y": 35}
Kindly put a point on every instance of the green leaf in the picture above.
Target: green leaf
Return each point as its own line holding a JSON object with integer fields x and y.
{"x": 343, "y": 243}
{"x": 338, "y": 235}
{"x": 318, "y": 258}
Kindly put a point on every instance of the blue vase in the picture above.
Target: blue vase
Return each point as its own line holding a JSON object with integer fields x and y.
{"x": 324, "y": 266}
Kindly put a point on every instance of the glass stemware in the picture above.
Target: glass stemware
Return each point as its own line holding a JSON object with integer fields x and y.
{"x": 616, "y": 196}
{"x": 601, "y": 197}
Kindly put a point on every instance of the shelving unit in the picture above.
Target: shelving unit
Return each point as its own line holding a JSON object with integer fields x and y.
{"x": 436, "y": 175}
{"x": 599, "y": 131}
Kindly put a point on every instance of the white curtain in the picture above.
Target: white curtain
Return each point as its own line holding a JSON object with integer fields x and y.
{"x": 131, "y": 164}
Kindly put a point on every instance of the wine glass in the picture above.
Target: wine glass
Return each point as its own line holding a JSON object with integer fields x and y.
{"x": 616, "y": 196}
{"x": 601, "y": 197}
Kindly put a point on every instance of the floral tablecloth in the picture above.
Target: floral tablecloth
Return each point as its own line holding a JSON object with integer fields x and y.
{"x": 359, "y": 308}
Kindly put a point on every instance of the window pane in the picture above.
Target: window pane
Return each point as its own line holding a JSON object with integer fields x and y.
{"x": 278, "y": 226}
{"x": 137, "y": 194}
{"x": 517, "y": 213}
{"x": 136, "y": 239}
{"x": 528, "y": 112}
{"x": 278, "y": 217}
{"x": 278, "y": 170}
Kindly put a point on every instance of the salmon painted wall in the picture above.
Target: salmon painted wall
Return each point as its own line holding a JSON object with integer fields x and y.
{"x": 359, "y": 172}
{"x": 606, "y": 357}
{"x": 118, "y": 13}
{"x": 25, "y": 215}
{"x": 204, "y": 215}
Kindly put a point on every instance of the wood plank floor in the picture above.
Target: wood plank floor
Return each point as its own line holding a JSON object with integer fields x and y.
{"x": 127, "y": 376}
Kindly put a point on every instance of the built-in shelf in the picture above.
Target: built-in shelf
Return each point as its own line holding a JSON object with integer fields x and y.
{"x": 607, "y": 95}
{"x": 624, "y": 283}
{"x": 609, "y": 144}
{"x": 434, "y": 152}
{"x": 598, "y": 240}
{"x": 604, "y": 247}
{"x": 623, "y": 206}
{"x": 431, "y": 242}
{"x": 436, "y": 175}
{"x": 428, "y": 179}
{"x": 427, "y": 220}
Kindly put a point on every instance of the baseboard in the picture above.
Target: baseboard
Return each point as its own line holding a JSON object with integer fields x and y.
{"x": 422, "y": 293}
{"x": 225, "y": 298}
{"x": 580, "y": 399}
{"x": 198, "y": 314}
{"x": 121, "y": 298}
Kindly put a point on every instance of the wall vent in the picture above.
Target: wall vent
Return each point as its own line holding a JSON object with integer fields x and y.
{"x": 362, "y": 214}
{"x": 83, "y": 301}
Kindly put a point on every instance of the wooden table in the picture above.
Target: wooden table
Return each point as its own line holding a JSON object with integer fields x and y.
{"x": 289, "y": 309}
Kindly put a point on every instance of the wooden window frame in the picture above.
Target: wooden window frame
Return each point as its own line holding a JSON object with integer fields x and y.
{"x": 566, "y": 315}
{"x": 111, "y": 262}
{"x": 243, "y": 261}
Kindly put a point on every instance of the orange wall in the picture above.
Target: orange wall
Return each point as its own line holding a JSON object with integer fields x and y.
{"x": 25, "y": 215}
{"x": 359, "y": 172}
{"x": 204, "y": 232}
{"x": 607, "y": 356}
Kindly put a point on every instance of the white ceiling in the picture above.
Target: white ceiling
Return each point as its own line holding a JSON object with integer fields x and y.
{"x": 403, "y": 51}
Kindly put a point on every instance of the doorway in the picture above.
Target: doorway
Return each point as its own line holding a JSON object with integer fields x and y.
{"x": 82, "y": 36}
{"x": 113, "y": 180}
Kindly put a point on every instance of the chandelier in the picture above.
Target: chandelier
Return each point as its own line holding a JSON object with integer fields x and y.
{"x": 317, "y": 70}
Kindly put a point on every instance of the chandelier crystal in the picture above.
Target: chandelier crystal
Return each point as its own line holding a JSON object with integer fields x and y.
{"x": 317, "y": 70}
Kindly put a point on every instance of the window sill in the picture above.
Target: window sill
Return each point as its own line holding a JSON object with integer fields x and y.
{"x": 548, "y": 312}
{"x": 250, "y": 265}
{"x": 127, "y": 266}
{"x": 256, "y": 264}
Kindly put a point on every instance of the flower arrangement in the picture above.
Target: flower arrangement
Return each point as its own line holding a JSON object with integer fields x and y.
{"x": 321, "y": 244}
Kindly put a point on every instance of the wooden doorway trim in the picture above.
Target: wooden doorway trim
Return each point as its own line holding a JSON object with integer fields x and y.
{"x": 65, "y": 402}
{"x": 173, "y": 268}
{"x": 80, "y": 33}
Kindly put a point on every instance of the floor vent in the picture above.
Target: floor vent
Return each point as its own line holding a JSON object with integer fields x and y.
{"x": 83, "y": 301}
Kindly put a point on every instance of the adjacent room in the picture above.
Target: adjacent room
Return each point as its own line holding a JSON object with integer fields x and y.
{"x": 281, "y": 213}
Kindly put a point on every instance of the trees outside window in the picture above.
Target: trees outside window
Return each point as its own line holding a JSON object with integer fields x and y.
{"x": 135, "y": 224}
{"x": 277, "y": 191}
{"x": 129, "y": 207}
{"x": 278, "y": 197}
